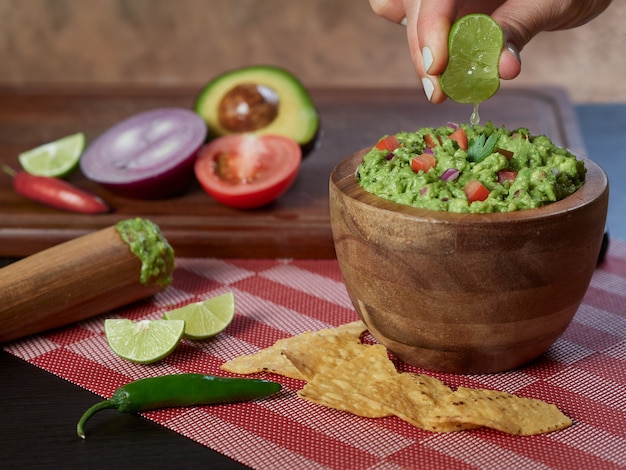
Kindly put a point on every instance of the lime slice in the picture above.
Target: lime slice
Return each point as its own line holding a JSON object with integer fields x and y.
{"x": 474, "y": 47}
{"x": 55, "y": 159}
{"x": 145, "y": 341}
{"x": 207, "y": 318}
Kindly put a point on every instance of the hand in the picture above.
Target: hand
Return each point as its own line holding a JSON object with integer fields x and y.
{"x": 428, "y": 25}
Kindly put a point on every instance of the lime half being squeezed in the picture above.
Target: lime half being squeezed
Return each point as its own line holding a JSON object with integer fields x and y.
{"x": 474, "y": 47}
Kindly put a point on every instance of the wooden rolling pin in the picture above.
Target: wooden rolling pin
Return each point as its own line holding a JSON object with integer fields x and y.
{"x": 84, "y": 277}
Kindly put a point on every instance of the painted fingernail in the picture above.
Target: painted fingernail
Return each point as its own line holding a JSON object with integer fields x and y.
{"x": 429, "y": 88}
{"x": 514, "y": 51}
{"x": 427, "y": 58}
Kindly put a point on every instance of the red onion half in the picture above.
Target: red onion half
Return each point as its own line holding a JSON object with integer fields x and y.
{"x": 147, "y": 156}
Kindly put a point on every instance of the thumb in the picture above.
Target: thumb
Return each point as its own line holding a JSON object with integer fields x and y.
{"x": 521, "y": 20}
{"x": 520, "y": 24}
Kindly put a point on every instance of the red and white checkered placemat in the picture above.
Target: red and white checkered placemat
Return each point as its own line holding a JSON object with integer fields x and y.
{"x": 584, "y": 374}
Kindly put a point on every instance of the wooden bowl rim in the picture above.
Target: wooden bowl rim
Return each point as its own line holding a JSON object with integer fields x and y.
{"x": 595, "y": 186}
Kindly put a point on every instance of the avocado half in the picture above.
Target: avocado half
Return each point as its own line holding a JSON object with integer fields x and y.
{"x": 259, "y": 99}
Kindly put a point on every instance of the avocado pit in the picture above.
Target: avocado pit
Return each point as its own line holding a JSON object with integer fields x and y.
{"x": 248, "y": 107}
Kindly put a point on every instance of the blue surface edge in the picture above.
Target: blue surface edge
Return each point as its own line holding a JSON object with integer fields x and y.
{"x": 603, "y": 128}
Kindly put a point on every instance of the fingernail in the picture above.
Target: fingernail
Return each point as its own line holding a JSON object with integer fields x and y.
{"x": 514, "y": 51}
{"x": 427, "y": 58}
{"x": 429, "y": 88}
{"x": 403, "y": 22}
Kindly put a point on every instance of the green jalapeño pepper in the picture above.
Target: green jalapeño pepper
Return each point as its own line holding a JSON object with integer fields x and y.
{"x": 180, "y": 390}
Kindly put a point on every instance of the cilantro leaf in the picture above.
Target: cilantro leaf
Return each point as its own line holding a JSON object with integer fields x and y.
{"x": 481, "y": 147}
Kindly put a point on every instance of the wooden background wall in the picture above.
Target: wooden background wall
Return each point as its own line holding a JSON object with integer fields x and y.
{"x": 325, "y": 42}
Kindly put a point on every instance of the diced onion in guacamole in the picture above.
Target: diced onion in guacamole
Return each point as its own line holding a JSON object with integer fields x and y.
{"x": 518, "y": 170}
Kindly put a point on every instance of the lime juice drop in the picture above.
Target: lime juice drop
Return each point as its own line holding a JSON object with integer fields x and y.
{"x": 475, "y": 117}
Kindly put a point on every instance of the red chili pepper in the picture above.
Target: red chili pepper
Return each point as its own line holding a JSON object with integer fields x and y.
{"x": 56, "y": 193}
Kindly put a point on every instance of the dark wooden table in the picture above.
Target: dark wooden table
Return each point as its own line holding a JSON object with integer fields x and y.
{"x": 39, "y": 411}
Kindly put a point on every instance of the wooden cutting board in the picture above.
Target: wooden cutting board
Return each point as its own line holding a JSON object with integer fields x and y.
{"x": 295, "y": 226}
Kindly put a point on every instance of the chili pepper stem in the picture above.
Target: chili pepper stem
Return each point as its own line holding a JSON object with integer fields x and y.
{"x": 103, "y": 405}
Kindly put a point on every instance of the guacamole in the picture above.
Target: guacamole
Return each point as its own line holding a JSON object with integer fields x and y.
{"x": 470, "y": 169}
{"x": 146, "y": 241}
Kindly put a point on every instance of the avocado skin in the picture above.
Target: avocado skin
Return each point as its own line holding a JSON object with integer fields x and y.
{"x": 297, "y": 116}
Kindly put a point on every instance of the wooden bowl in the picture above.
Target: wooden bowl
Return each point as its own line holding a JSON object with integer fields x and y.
{"x": 466, "y": 293}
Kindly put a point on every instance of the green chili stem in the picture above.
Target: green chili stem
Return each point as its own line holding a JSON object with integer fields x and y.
{"x": 103, "y": 405}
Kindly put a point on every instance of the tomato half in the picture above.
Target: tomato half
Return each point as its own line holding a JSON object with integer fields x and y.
{"x": 247, "y": 171}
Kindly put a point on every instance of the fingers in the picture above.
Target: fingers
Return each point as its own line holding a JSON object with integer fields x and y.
{"x": 521, "y": 20}
{"x": 428, "y": 25}
{"x": 407, "y": 12}
{"x": 510, "y": 64}
{"x": 393, "y": 10}
{"x": 433, "y": 26}
{"x": 430, "y": 36}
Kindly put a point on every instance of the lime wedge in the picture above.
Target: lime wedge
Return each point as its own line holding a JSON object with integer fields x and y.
{"x": 474, "y": 47}
{"x": 145, "y": 341}
{"x": 55, "y": 159}
{"x": 206, "y": 318}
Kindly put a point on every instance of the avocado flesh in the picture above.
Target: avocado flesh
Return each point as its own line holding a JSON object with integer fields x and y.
{"x": 296, "y": 115}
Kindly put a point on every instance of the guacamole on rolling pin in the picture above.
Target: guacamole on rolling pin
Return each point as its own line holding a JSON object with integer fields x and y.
{"x": 470, "y": 169}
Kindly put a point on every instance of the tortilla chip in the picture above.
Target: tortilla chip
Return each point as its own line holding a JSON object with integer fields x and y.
{"x": 347, "y": 387}
{"x": 355, "y": 328}
{"x": 272, "y": 360}
{"x": 412, "y": 397}
{"x": 347, "y": 375}
{"x": 501, "y": 411}
{"x": 319, "y": 353}
{"x": 266, "y": 360}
